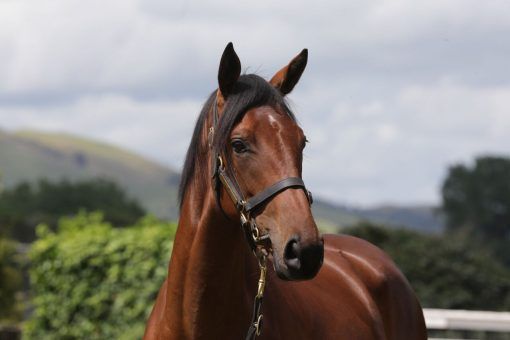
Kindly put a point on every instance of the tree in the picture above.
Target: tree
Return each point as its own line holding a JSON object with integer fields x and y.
{"x": 25, "y": 206}
{"x": 477, "y": 199}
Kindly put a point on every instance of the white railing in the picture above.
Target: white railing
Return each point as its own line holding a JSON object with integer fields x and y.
{"x": 446, "y": 319}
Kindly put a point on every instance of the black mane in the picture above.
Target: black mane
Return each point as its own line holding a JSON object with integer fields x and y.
{"x": 250, "y": 91}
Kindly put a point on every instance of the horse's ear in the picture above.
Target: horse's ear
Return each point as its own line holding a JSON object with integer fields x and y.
{"x": 230, "y": 70}
{"x": 285, "y": 79}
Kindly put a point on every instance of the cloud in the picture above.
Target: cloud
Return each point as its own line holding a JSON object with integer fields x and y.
{"x": 169, "y": 48}
{"x": 393, "y": 93}
{"x": 398, "y": 150}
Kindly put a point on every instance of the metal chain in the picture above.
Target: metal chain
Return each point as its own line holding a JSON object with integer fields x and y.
{"x": 257, "y": 317}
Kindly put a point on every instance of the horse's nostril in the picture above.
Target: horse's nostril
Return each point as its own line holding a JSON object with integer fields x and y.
{"x": 292, "y": 254}
{"x": 303, "y": 260}
{"x": 295, "y": 248}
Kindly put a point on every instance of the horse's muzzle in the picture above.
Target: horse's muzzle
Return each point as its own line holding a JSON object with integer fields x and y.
{"x": 302, "y": 261}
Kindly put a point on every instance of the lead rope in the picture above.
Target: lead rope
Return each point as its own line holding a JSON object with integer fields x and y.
{"x": 254, "y": 239}
{"x": 257, "y": 317}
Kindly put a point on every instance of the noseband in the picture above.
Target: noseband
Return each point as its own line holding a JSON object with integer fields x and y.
{"x": 245, "y": 208}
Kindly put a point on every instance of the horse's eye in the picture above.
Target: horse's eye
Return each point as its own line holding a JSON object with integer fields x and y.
{"x": 306, "y": 141}
{"x": 239, "y": 146}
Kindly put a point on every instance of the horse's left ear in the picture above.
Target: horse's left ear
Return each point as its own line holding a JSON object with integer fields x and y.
{"x": 285, "y": 79}
{"x": 230, "y": 70}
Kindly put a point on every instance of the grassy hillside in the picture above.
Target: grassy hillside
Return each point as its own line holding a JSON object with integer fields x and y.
{"x": 418, "y": 217}
{"x": 30, "y": 155}
{"x": 331, "y": 217}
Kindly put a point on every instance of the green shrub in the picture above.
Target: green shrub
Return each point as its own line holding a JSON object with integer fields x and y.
{"x": 91, "y": 281}
{"x": 10, "y": 281}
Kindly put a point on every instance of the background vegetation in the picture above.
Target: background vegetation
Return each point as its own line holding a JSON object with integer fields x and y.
{"x": 25, "y": 206}
{"x": 476, "y": 203}
{"x": 10, "y": 280}
{"x": 91, "y": 281}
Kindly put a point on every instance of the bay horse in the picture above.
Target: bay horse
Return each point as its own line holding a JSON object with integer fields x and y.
{"x": 241, "y": 182}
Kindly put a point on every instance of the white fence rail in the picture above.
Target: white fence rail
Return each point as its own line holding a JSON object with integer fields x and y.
{"x": 444, "y": 319}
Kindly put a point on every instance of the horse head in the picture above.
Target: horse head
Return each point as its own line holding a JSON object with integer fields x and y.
{"x": 258, "y": 145}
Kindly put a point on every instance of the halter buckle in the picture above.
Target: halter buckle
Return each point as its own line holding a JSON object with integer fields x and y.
{"x": 244, "y": 219}
{"x": 210, "y": 136}
{"x": 258, "y": 325}
{"x": 220, "y": 166}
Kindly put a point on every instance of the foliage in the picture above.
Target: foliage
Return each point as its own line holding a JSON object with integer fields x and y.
{"x": 91, "y": 281}
{"x": 23, "y": 207}
{"x": 10, "y": 280}
{"x": 478, "y": 198}
{"x": 445, "y": 271}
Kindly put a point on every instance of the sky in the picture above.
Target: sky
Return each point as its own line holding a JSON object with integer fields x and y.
{"x": 394, "y": 93}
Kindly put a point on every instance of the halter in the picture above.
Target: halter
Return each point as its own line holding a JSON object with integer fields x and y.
{"x": 245, "y": 207}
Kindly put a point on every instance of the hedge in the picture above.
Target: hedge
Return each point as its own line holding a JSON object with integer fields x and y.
{"x": 10, "y": 281}
{"x": 92, "y": 281}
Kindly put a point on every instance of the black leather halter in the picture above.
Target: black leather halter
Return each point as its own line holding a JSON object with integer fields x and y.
{"x": 245, "y": 207}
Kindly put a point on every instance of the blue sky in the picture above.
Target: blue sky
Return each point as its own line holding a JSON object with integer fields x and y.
{"x": 394, "y": 91}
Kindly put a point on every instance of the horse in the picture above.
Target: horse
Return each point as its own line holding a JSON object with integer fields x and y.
{"x": 248, "y": 259}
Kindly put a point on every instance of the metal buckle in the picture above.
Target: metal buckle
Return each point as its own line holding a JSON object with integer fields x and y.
{"x": 262, "y": 277}
{"x": 210, "y": 136}
{"x": 260, "y": 291}
{"x": 221, "y": 167}
{"x": 255, "y": 234}
{"x": 258, "y": 325}
{"x": 244, "y": 219}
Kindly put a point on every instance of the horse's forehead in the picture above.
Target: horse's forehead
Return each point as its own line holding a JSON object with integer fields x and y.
{"x": 272, "y": 120}
{"x": 267, "y": 117}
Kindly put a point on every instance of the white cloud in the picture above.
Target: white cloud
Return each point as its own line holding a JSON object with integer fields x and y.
{"x": 394, "y": 90}
{"x": 401, "y": 154}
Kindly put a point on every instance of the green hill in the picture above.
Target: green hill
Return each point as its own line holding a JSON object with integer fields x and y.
{"x": 422, "y": 218}
{"x": 30, "y": 155}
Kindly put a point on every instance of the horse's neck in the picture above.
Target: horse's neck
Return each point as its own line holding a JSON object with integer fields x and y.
{"x": 210, "y": 265}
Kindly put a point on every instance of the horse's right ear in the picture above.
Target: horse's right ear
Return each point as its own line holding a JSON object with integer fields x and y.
{"x": 285, "y": 79}
{"x": 230, "y": 70}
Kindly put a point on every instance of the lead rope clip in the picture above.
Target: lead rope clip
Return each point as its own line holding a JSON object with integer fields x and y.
{"x": 260, "y": 292}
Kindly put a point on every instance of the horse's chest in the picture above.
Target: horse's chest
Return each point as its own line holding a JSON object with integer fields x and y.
{"x": 321, "y": 315}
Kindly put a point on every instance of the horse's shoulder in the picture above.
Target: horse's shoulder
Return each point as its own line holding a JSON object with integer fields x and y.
{"x": 374, "y": 267}
{"x": 389, "y": 289}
